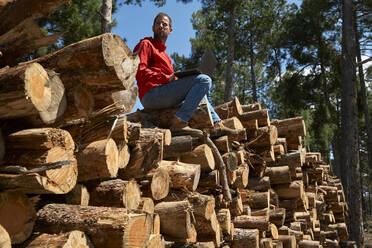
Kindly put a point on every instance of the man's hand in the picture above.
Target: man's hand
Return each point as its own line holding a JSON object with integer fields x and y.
{"x": 172, "y": 77}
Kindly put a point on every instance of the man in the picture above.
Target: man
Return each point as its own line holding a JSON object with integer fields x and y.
{"x": 159, "y": 87}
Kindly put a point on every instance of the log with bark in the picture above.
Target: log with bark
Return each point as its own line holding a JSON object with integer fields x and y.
{"x": 278, "y": 175}
{"x": 17, "y": 216}
{"x": 116, "y": 193}
{"x": 262, "y": 117}
{"x": 229, "y": 109}
{"x": 291, "y": 127}
{"x": 182, "y": 175}
{"x": 247, "y": 238}
{"x": 67, "y": 240}
{"x": 33, "y": 93}
{"x": 97, "y": 160}
{"x": 106, "y": 227}
{"x": 79, "y": 195}
{"x": 200, "y": 155}
{"x": 252, "y": 222}
{"x": 179, "y": 145}
{"x": 175, "y": 219}
{"x": 156, "y": 184}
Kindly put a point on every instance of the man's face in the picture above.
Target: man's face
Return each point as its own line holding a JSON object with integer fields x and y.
{"x": 161, "y": 28}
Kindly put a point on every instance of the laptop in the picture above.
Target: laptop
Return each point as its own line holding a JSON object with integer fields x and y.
{"x": 207, "y": 66}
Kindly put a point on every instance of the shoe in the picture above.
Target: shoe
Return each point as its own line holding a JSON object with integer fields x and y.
{"x": 179, "y": 125}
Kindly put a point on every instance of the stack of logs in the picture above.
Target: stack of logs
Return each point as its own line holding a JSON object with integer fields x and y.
{"x": 74, "y": 173}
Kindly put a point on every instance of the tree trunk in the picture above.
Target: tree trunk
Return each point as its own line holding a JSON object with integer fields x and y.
{"x": 349, "y": 126}
{"x": 253, "y": 73}
{"x": 106, "y": 20}
{"x": 17, "y": 215}
{"x": 363, "y": 93}
{"x": 230, "y": 52}
{"x": 67, "y": 240}
{"x": 106, "y": 227}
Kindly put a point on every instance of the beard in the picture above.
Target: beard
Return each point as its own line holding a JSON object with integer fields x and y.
{"x": 160, "y": 35}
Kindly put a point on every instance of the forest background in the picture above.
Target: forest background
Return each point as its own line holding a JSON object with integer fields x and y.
{"x": 292, "y": 58}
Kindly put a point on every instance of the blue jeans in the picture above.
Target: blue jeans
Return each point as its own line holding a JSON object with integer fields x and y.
{"x": 188, "y": 90}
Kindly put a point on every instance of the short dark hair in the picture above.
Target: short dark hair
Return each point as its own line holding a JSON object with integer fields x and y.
{"x": 162, "y": 14}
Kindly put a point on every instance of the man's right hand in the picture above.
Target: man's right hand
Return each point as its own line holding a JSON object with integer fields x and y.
{"x": 172, "y": 77}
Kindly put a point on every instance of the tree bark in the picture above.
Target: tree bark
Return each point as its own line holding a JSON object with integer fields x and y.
{"x": 245, "y": 238}
{"x": 107, "y": 227}
{"x": 349, "y": 126}
{"x": 229, "y": 109}
{"x": 106, "y": 20}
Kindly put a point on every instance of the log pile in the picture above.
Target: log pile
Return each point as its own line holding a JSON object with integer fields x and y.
{"x": 74, "y": 173}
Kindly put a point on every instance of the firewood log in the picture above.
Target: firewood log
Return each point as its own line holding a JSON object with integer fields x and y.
{"x": 259, "y": 183}
{"x": 98, "y": 159}
{"x": 252, "y": 222}
{"x": 279, "y": 149}
{"x": 40, "y": 171}
{"x": 156, "y": 185}
{"x": 277, "y": 216}
{"x": 278, "y": 175}
{"x": 342, "y": 231}
{"x": 106, "y": 227}
{"x": 67, "y": 240}
{"x": 24, "y": 38}
{"x": 146, "y": 205}
{"x": 247, "y": 238}
{"x": 224, "y": 219}
{"x": 229, "y": 109}
{"x": 209, "y": 181}
{"x": 259, "y": 199}
{"x": 113, "y": 65}
{"x": 266, "y": 137}
{"x": 123, "y": 156}
{"x": 288, "y": 241}
{"x": 236, "y": 206}
{"x": 223, "y": 144}
{"x": 79, "y": 195}
{"x": 231, "y": 160}
{"x": 182, "y": 174}
{"x": 237, "y": 132}
{"x": 309, "y": 244}
{"x": 262, "y": 116}
{"x": 5, "y": 241}
{"x": 293, "y": 159}
{"x": 251, "y": 107}
{"x": 241, "y": 180}
{"x": 156, "y": 228}
{"x": 179, "y": 145}
{"x": 116, "y": 193}
{"x": 277, "y": 244}
{"x": 40, "y": 139}
{"x": 290, "y": 127}
{"x": 329, "y": 243}
{"x": 175, "y": 220}
{"x": 291, "y": 190}
{"x": 31, "y": 93}
{"x": 208, "y": 230}
{"x": 17, "y": 216}
{"x": 11, "y": 16}
{"x": 145, "y": 156}
{"x": 200, "y": 155}
{"x": 156, "y": 241}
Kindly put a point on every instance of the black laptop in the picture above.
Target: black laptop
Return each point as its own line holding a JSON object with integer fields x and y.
{"x": 207, "y": 66}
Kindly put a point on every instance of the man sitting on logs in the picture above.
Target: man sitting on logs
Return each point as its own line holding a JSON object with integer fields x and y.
{"x": 158, "y": 86}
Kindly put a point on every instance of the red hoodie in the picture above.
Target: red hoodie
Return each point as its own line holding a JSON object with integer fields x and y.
{"x": 155, "y": 66}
